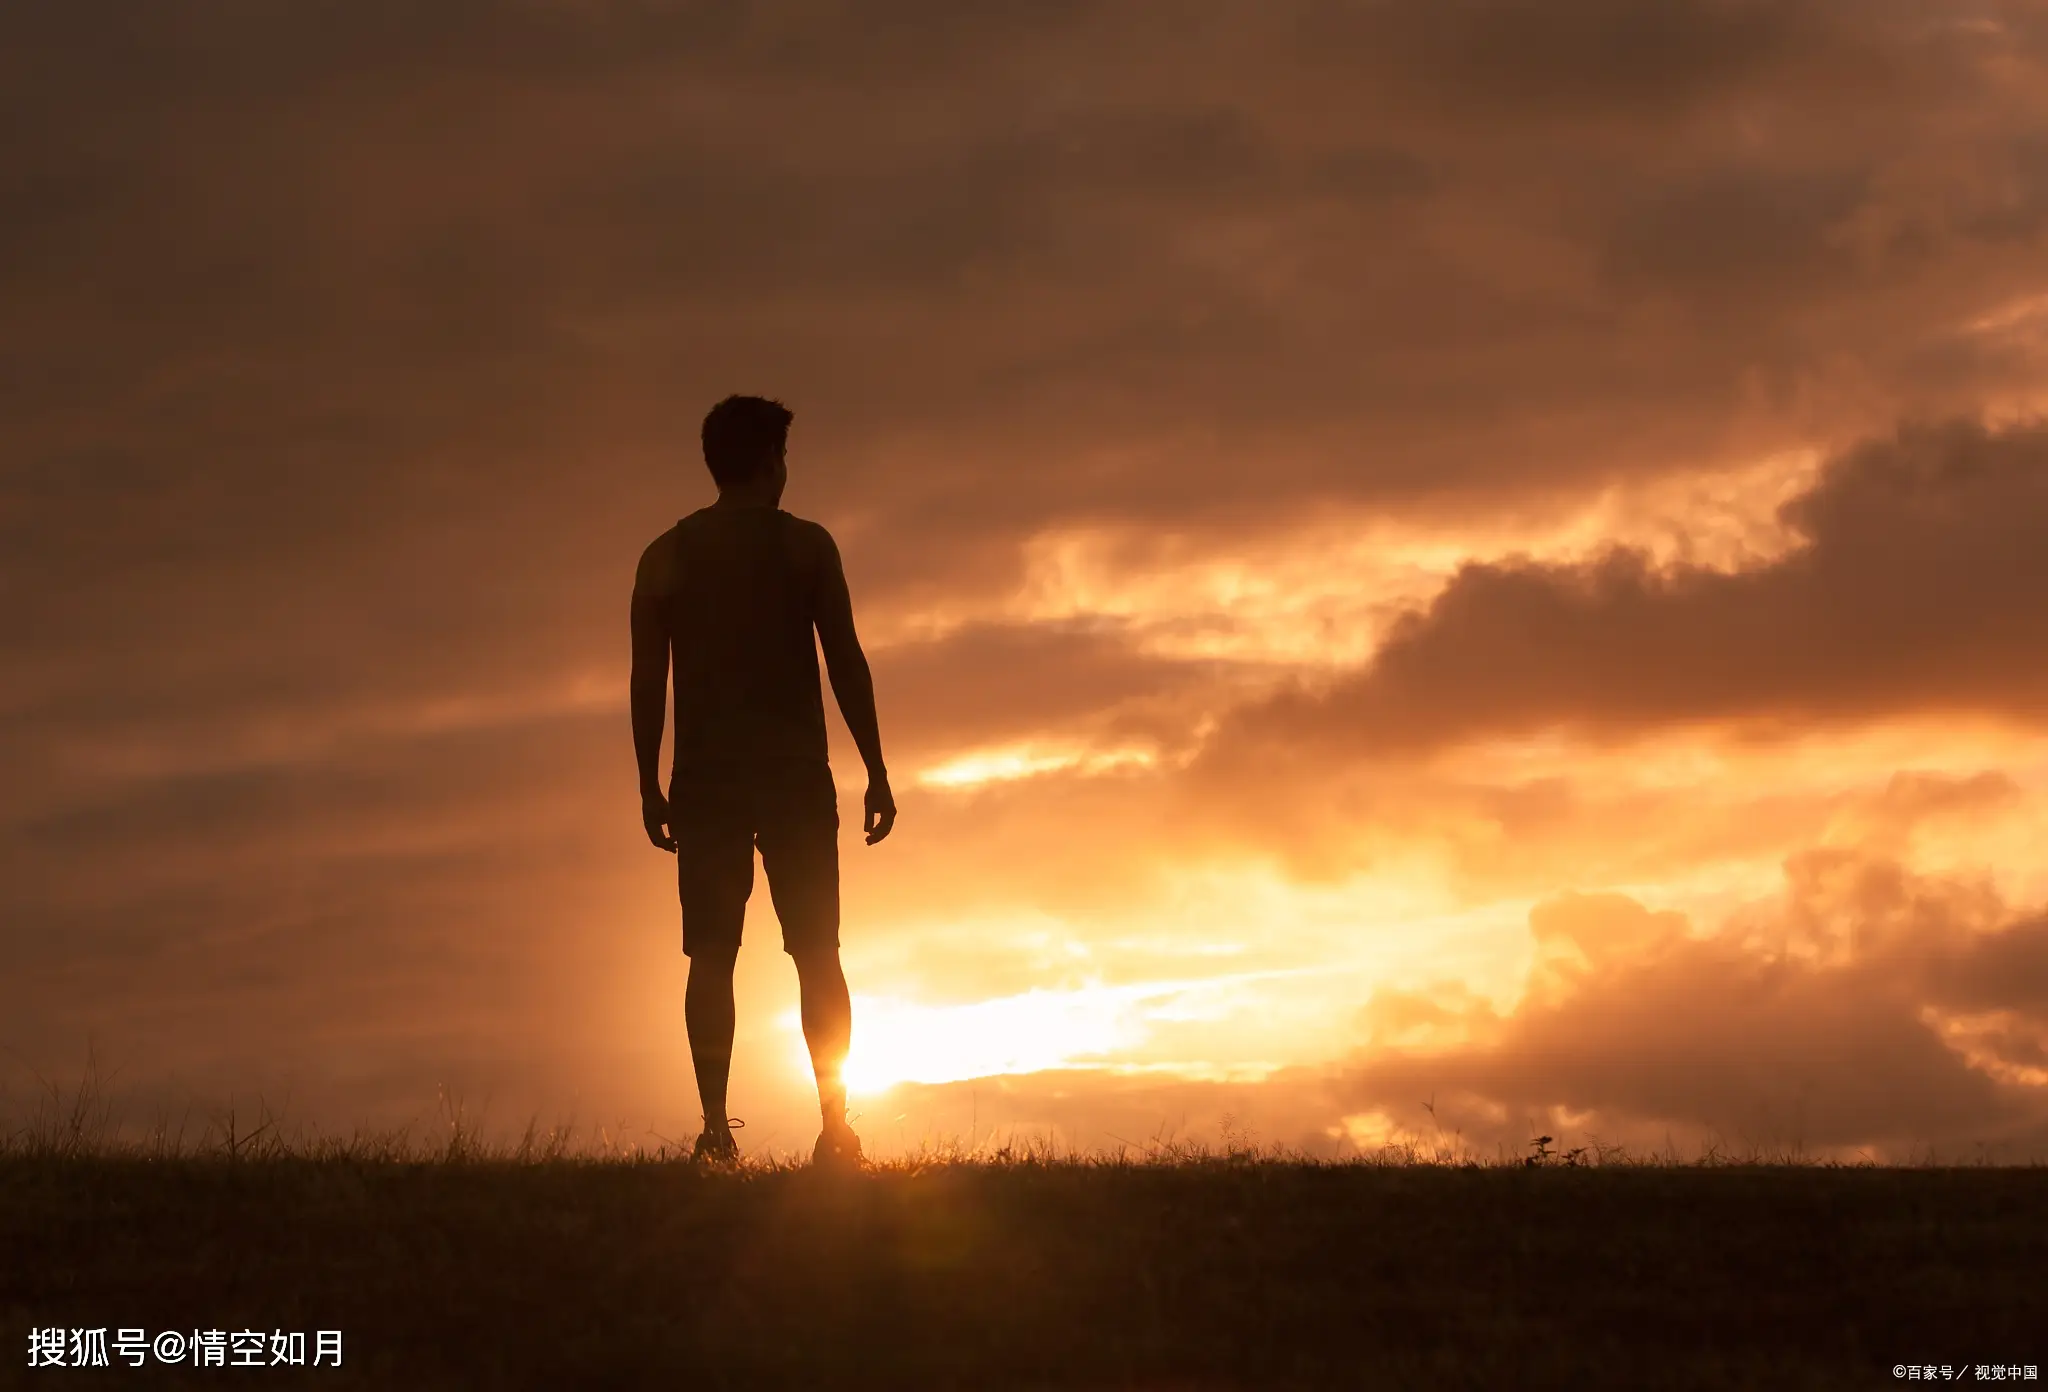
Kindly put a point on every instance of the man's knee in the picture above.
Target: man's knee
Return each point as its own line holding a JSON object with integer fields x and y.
{"x": 816, "y": 959}
{"x": 716, "y": 959}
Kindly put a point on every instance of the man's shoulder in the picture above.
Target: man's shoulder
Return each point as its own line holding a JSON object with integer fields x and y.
{"x": 661, "y": 563}
{"x": 816, "y": 539}
{"x": 656, "y": 573}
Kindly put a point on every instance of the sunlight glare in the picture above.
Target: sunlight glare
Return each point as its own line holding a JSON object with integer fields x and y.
{"x": 898, "y": 1041}
{"x": 1094, "y": 1026}
{"x": 1024, "y": 761}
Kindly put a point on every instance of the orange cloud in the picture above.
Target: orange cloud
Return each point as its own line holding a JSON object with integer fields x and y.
{"x": 1821, "y": 1013}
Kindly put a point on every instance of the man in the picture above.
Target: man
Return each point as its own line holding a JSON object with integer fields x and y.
{"x": 735, "y": 591}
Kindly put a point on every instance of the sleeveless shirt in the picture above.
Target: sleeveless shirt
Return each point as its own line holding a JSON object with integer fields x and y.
{"x": 737, "y": 590}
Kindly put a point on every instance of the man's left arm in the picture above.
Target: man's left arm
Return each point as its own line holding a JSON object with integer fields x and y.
{"x": 649, "y": 688}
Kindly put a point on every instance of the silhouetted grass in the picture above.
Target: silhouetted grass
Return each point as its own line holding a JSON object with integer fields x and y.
{"x": 559, "y": 1261}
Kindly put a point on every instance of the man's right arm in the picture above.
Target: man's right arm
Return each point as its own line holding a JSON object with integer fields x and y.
{"x": 648, "y": 695}
{"x": 853, "y": 686}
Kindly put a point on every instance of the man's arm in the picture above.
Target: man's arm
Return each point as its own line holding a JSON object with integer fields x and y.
{"x": 649, "y": 694}
{"x": 853, "y": 686}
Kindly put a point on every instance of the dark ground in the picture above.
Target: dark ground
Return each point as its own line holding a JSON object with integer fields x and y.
{"x": 1220, "y": 1274}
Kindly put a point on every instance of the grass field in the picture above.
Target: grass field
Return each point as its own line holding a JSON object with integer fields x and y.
{"x": 452, "y": 1265}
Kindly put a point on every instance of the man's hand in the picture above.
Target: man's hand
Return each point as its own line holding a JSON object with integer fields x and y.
{"x": 880, "y": 806}
{"x": 654, "y": 816}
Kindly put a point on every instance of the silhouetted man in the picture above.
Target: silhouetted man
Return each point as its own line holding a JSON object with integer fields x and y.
{"x": 735, "y": 590}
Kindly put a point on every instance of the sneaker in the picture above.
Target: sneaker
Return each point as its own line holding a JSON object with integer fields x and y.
{"x": 837, "y": 1147}
{"x": 716, "y": 1146}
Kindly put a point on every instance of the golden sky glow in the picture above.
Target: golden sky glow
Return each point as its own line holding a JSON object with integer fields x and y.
{"x": 1410, "y": 554}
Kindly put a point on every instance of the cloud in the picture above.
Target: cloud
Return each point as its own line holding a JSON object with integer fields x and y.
{"x": 1838, "y": 1016}
{"x": 1920, "y": 588}
{"x": 354, "y": 353}
{"x": 986, "y": 682}
{"x": 1735, "y": 233}
{"x": 1592, "y": 58}
{"x": 498, "y": 245}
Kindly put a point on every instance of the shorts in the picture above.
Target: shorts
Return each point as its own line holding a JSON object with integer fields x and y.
{"x": 719, "y": 814}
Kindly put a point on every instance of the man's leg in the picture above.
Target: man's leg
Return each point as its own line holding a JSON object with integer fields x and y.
{"x": 800, "y": 852}
{"x": 827, "y": 1012}
{"x": 715, "y": 877}
{"x": 708, "y": 1012}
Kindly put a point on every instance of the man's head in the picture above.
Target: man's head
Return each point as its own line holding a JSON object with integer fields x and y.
{"x": 744, "y": 440}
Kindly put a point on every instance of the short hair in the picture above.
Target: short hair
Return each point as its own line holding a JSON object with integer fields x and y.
{"x": 741, "y": 436}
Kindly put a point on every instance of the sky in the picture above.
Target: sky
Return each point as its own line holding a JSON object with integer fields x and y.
{"x": 1434, "y": 572}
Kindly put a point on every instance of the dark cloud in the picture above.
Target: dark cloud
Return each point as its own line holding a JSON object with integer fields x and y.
{"x": 382, "y": 234}
{"x": 2007, "y": 970}
{"x": 1600, "y": 57}
{"x": 1920, "y": 586}
{"x": 1738, "y": 232}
